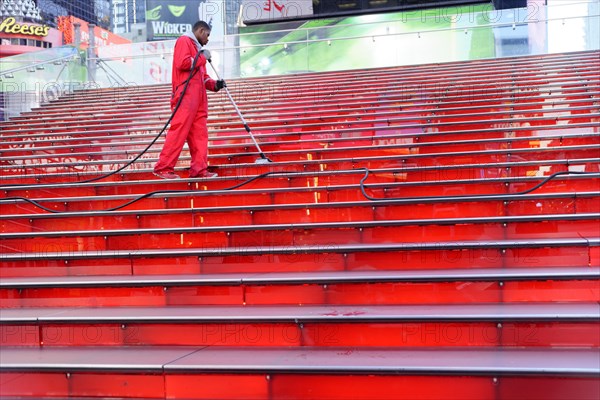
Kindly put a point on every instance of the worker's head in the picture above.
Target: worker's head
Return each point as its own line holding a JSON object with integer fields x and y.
{"x": 202, "y": 31}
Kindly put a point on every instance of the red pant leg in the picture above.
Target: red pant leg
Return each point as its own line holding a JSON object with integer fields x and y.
{"x": 198, "y": 144}
{"x": 178, "y": 132}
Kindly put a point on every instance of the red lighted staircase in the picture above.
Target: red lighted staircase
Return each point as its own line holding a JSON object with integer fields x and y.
{"x": 448, "y": 280}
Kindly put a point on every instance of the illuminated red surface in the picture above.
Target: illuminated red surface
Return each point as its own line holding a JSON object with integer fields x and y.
{"x": 277, "y": 386}
{"x": 110, "y": 384}
{"x": 287, "y": 334}
{"x": 334, "y": 293}
{"x": 536, "y": 117}
{"x": 301, "y": 237}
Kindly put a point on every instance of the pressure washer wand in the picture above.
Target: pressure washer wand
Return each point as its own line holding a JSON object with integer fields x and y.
{"x": 263, "y": 158}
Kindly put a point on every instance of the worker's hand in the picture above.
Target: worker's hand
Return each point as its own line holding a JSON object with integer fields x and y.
{"x": 206, "y": 54}
{"x": 220, "y": 84}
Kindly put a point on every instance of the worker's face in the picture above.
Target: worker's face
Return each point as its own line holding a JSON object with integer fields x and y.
{"x": 202, "y": 36}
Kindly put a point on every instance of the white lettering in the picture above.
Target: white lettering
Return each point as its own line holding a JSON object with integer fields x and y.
{"x": 165, "y": 28}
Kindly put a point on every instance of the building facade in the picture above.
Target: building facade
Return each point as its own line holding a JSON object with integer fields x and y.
{"x": 127, "y": 15}
{"x": 28, "y": 25}
{"x": 91, "y": 11}
{"x": 23, "y": 29}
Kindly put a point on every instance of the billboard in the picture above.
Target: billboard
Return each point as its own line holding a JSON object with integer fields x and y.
{"x": 169, "y": 19}
{"x": 102, "y": 37}
{"x": 273, "y": 10}
{"x": 367, "y": 41}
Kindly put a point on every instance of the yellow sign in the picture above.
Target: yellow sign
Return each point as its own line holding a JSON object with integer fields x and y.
{"x": 9, "y": 25}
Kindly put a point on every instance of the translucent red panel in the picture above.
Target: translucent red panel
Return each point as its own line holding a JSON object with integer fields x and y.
{"x": 549, "y": 291}
{"x": 551, "y": 388}
{"x": 205, "y": 295}
{"x": 469, "y": 258}
{"x": 34, "y": 384}
{"x": 218, "y": 386}
{"x": 338, "y": 387}
{"x": 109, "y": 384}
{"x": 453, "y": 151}
{"x": 328, "y": 258}
{"x": 263, "y": 386}
{"x": 83, "y": 297}
{"x": 166, "y": 266}
{"x": 44, "y": 267}
{"x": 20, "y": 335}
{"x": 371, "y": 293}
{"x": 345, "y": 333}
{"x": 206, "y": 217}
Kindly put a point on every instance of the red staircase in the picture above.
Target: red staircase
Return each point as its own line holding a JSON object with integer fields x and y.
{"x": 441, "y": 277}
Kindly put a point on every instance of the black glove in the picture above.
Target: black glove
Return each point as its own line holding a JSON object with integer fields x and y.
{"x": 220, "y": 84}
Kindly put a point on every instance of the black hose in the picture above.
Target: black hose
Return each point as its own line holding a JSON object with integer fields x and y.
{"x": 144, "y": 196}
{"x": 261, "y": 176}
{"x": 539, "y": 185}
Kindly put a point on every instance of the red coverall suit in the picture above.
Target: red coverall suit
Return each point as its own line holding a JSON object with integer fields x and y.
{"x": 189, "y": 123}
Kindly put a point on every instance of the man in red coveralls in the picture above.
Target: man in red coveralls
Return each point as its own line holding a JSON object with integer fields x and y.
{"x": 189, "y": 122}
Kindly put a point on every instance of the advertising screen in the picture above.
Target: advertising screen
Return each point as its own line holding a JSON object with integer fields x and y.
{"x": 169, "y": 19}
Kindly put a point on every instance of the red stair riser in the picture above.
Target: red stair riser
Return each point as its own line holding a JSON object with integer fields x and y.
{"x": 326, "y": 260}
{"x": 336, "y": 213}
{"x": 259, "y": 386}
{"x": 301, "y": 237}
{"x": 389, "y": 293}
{"x": 328, "y": 334}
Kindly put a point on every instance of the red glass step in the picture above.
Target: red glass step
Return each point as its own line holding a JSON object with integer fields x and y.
{"x": 507, "y": 325}
{"x": 471, "y": 105}
{"x": 533, "y": 204}
{"x": 539, "y": 88}
{"x": 401, "y": 153}
{"x": 395, "y": 256}
{"x": 355, "y": 232}
{"x": 384, "y": 143}
{"x": 344, "y": 373}
{"x": 409, "y": 191}
{"x": 211, "y": 386}
{"x": 420, "y": 86}
{"x": 333, "y": 288}
{"x": 410, "y": 170}
{"x": 301, "y": 116}
{"x": 264, "y": 334}
{"x": 402, "y": 122}
{"x": 241, "y": 137}
{"x": 219, "y": 114}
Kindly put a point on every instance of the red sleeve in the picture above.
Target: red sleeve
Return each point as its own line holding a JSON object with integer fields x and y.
{"x": 184, "y": 53}
{"x": 210, "y": 83}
